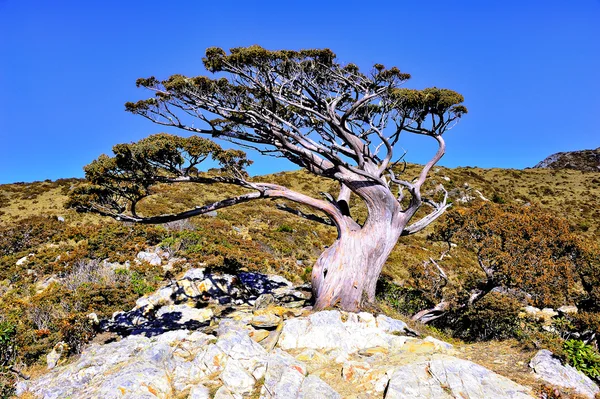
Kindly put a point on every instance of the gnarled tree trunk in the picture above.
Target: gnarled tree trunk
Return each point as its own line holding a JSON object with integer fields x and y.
{"x": 346, "y": 273}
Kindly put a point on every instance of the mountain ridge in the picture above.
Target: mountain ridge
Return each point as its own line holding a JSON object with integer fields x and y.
{"x": 584, "y": 160}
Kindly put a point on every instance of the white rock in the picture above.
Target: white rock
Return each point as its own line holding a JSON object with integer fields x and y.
{"x": 182, "y": 314}
{"x": 150, "y": 257}
{"x": 446, "y": 377}
{"x": 22, "y": 261}
{"x": 568, "y": 309}
{"x": 391, "y": 326}
{"x": 279, "y": 279}
{"x": 239, "y": 346}
{"x": 93, "y": 318}
{"x": 55, "y": 354}
{"x": 199, "y": 392}
{"x": 438, "y": 343}
{"x": 548, "y": 368}
{"x": 194, "y": 274}
{"x": 237, "y": 379}
{"x": 284, "y": 375}
{"x": 292, "y": 332}
{"x": 224, "y": 393}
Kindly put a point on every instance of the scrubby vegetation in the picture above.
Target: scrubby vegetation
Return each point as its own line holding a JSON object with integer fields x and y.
{"x": 47, "y": 297}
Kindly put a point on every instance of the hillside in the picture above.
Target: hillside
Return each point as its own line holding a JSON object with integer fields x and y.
{"x": 52, "y": 273}
{"x": 585, "y": 160}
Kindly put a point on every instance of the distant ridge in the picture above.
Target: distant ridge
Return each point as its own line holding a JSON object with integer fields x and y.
{"x": 585, "y": 160}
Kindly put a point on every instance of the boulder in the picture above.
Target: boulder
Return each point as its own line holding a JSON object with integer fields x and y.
{"x": 441, "y": 377}
{"x": 266, "y": 320}
{"x": 55, "y": 354}
{"x": 549, "y": 369}
{"x": 150, "y": 257}
{"x": 182, "y": 314}
{"x": 568, "y": 309}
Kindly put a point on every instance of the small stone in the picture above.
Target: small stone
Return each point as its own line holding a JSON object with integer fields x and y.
{"x": 267, "y": 320}
{"x": 264, "y": 301}
{"x": 55, "y": 354}
{"x": 311, "y": 355}
{"x": 93, "y": 318}
{"x": 353, "y": 371}
{"x": 181, "y": 314}
{"x": 373, "y": 351}
{"x": 549, "y": 312}
{"x": 223, "y": 393}
{"x": 392, "y": 326}
{"x": 22, "y": 261}
{"x": 194, "y": 274}
{"x": 568, "y": 309}
{"x": 259, "y": 335}
{"x": 274, "y": 336}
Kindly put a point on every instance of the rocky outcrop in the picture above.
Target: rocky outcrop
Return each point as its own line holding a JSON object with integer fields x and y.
{"x": 442, "y": 377}
{"x": 585, "y": 160}
{"x": 224, "y": 336}
{"x": 200, "y": 297}
{"x": 549, "y": 369}
{"x": 328, "y": 354}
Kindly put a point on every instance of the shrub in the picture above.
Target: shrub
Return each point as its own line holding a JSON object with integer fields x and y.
{"x": 583, "y": 357}
{"x": 284, "y": 228}
{"x": 8, "y": 355}
{"x": 91, "y": 272}
{"x": 76, "y": 331}
{"x": 496, "y": 316}
{"x": 405, "y": 300}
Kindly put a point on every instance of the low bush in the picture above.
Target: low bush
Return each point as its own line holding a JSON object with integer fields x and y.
{"x": 496, "y": 316}
{"x": 583, "y": 357}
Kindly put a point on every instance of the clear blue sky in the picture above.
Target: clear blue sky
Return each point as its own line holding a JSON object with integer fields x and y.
{"x": 529, "y": 70}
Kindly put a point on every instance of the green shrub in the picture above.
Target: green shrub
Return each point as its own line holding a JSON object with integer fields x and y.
{"x": 8, "y": 355}
{"x": 284, "y": 228}
{"x": 8, "y": 346}
{"x": 496, "y": 316}
{"x": 405, "y": 300}
{"x": 583, "y": 357}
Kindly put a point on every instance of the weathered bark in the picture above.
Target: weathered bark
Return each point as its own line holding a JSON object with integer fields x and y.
{"x": 346, "y": 273}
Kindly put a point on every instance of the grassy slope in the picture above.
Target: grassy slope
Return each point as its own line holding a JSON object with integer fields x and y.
{"x": 571, "y": 194}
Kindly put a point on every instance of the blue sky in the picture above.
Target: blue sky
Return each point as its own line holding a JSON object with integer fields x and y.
{"x": 528, "y": 69}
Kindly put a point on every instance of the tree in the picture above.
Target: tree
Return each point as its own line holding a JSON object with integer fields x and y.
{"x": 518, "y": 249}
{"x": 331, "y": 119}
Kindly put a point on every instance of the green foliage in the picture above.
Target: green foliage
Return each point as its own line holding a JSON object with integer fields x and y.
{"x": 76, "y": 331}
{"x": 284, "y": 228}
{"x": 583, "y": 357}
{"x": 29, "y": 233}
{"x": 407, "y": 301}
{"x": 493, "y": 317}
{"x": 8, "y": 345}
{"x": 140, "y": 284}
{"x": 118, "y": 183}
{"x": 8, "y": 356}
